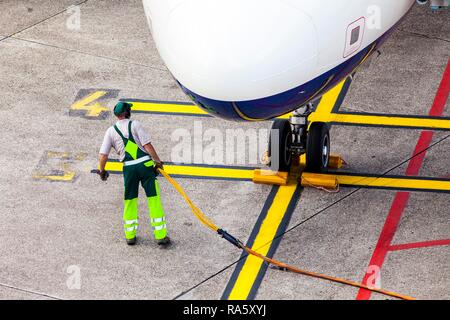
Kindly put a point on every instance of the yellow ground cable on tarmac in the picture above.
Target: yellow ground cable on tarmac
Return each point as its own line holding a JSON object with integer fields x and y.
{"x": 197, "y": 212}
{"x": 201, "y": 216}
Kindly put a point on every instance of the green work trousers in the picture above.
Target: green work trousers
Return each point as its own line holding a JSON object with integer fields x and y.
{"x": 144, "y": 174}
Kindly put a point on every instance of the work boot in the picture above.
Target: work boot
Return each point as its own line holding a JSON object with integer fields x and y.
{"x": 163, "y": 242}
{"x": 131, "y": 242}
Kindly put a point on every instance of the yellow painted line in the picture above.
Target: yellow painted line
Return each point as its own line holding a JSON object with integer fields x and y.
{"x": 196, "y": 171}
{"x": 326, "y": 105}
{"x": 212, "y": 172}
{"x": 328, "y": 101}
{"x": 322, "y": 113}
{"x": 67, "y": 177}
{"x": 347, "y": 180}
{"x": 390, "y": 121}
{"x": 285, "y": 116}
{"x": 262, "y": 243}
{"x": 114, "y": 166}
{"x": 91, "y": 110}
{"x": 395, "y": 183}
{"x": 170, "y": 108}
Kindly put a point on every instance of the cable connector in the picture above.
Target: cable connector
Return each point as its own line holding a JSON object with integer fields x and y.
{"x": 230, "y": 238}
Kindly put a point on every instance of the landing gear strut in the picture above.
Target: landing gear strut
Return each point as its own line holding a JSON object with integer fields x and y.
{"x": 295, "y": 137}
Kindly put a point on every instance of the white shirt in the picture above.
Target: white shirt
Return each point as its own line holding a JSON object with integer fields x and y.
{"x": 113, "y": 140}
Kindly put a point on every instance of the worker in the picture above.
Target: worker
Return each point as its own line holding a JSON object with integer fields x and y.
{"x": 140, "y": 164}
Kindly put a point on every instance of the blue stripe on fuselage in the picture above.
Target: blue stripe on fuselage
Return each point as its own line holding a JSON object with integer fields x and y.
{"x": 279, "y": 104}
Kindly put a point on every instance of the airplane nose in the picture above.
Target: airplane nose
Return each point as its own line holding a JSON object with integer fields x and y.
{"x": 235, "y": 50}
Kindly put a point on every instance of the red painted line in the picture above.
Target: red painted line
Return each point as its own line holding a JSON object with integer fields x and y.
{"x": 416, "y": 245}
{"x": 401, "y": 198}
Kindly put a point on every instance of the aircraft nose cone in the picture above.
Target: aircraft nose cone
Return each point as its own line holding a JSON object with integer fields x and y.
{"x": 234, "y": 50}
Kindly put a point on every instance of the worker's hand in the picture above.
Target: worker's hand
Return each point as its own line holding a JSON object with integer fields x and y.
{"x": 159, "y": 165}
{"x": 104, "y": 175}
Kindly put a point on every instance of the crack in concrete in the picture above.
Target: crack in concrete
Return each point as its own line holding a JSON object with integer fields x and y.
{"x": 90, "y": 54}
{"x": 422, "y": 35}
{"x": 30, "y": 291}
{"x": 43, "y": 20}
{"x": 14, "y": 34}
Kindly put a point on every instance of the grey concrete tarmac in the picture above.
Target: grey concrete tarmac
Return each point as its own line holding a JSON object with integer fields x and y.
{"x": 50, "y": 226}
{"x": 19, "y": 15}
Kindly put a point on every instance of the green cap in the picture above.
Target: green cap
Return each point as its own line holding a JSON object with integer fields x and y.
{"x": 122, "y": 107}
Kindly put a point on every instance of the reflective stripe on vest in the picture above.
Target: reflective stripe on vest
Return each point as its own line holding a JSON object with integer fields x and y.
{"x": 140, "y": 160}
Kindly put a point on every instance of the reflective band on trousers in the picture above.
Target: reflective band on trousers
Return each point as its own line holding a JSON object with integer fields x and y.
{"x": 137, "y": 161}
{"x": 158, "y": 228}
{"x": 156, "y": 220}
{"x": 130, "y": 221}
{"x": 131, "y": 228}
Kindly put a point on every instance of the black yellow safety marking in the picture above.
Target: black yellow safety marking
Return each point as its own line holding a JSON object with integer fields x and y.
{"x": 399, "y": 183}
{"x": 166, "y": 108}
{"x": 89, "y": 103}
{"x": 196, "y": 171}
{"x": 273, "y": 221}
{"x": 57, "y": 166}
{"x": 386, "y": 120}
{"x": 341, "y": 97}
{"x": 217, "y": 172}
{"x": 332, "y": 100}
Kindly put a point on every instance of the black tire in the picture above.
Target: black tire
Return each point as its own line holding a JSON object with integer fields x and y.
{"x": 318, "y": 148}
{"x": 282, "y": 159}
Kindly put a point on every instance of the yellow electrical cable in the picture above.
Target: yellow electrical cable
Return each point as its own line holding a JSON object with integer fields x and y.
{"x": 208, "y": 223}
{"x": 197, "y": 212}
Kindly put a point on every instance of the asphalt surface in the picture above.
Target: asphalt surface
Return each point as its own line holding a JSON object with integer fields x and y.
{"x": 50, "y": 226}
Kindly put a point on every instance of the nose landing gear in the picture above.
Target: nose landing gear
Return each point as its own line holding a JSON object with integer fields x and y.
{"x": 296, "y": 137}
{"x": 299, "y": 152}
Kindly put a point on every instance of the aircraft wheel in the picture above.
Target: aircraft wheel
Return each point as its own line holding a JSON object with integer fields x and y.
{"x": 318, "y": 148}
{"x": 281, "y": 141}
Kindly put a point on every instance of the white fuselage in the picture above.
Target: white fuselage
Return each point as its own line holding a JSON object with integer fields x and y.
{"x": 240, "y": 50}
